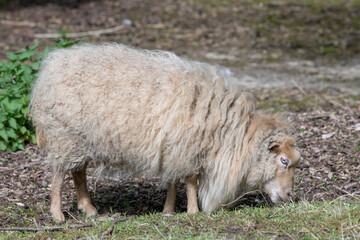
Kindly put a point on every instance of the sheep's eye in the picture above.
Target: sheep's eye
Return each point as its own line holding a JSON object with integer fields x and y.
{"x": 284, "y": 161}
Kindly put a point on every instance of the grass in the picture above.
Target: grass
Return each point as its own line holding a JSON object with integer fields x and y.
{"x": 337, "y": 219}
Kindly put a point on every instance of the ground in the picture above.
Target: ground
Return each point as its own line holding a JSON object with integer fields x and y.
{"x": 300, "y": 58}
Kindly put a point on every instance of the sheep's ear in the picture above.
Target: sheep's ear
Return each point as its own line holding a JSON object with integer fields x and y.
{"x": 274, "y": 146}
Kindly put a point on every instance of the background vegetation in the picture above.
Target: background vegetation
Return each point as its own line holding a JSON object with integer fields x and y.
{"x": 16, "y": 78}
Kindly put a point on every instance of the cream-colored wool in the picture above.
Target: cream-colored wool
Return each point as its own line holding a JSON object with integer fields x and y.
{"x": 136, "y": 112}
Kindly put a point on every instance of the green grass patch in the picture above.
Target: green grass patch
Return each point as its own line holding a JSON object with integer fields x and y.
{"x": 304, "y": 220}
{"x": 17, "y": 75}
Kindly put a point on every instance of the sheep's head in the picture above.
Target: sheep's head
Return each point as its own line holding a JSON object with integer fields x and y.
{"x": 280, "y": 187}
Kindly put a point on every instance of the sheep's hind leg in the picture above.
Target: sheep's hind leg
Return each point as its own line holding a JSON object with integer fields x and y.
{"x": 191, "y": 187}
{"x": 82, "y": 193}
{"x": 56, "y": 186}
{"x": 169, "y": 207}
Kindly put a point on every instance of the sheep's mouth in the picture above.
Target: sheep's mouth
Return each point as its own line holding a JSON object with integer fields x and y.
{"x": 276, "y": 198}
{"x": 279, "y": 197}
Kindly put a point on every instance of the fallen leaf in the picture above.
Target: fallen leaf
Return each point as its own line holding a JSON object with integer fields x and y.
{"x": 312, "y": 170}
{"x": 327, "y": 135}
{"x": 351, "y": 185}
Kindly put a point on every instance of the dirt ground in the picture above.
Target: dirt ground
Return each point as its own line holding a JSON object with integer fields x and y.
{"x": 298, "y": 58}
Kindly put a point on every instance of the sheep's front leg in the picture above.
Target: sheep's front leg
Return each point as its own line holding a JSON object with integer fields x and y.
{"x": 82, "y": 193}
{"x": 191, "y": 187}
{"x": 56, "y": 185}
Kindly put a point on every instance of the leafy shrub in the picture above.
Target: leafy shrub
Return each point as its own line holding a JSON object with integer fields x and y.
{"x": 16, "y": 78}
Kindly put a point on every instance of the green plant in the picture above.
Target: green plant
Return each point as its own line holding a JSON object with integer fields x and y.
{"x": 16, "y": 78}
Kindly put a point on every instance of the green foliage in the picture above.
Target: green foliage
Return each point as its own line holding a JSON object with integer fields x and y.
{"x": 17, "y": 75}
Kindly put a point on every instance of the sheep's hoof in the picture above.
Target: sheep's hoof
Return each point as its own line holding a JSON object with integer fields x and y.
{"x": 88, "y": 209}
{"x": 58, "y": 216}
{"x": 169, "y": 212}
{"x": 192, "y": 210}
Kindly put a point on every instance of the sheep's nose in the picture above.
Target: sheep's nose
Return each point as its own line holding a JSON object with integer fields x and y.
{"x": 289, "y": 194}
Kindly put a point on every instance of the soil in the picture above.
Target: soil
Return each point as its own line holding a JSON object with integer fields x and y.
{"x": 309, "y": 69}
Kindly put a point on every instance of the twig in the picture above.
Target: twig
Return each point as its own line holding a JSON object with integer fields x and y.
{"x": 20, "y": 24}
{"x": 80, "y": 34}
{"x": 53, "y": 228}
{"x": 7, "y": 169}
{"x": 111, "y": 228}
{"x": 300, "y": 88}
{"x": 307, "y": 230}
{"x": 241, "y": 197}
{"x": 191, "y": 223}
{"x": 289, "y": 236}
{"x": 159, "y": 231}
{"x": 278, "y": 210}
{"x": 5, "y": 222}
{"x": 35, "y": 222}
{"x": 350, "y": 194}
{"x": 74, "y": 217}
{"x": 264, "y": 197}
{"x": 314, "y": 187}
{"x": 275, "y": 212}
{"x": 351, "y": 227}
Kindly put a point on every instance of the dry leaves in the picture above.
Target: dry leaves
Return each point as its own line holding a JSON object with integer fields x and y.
{"x": 331, "y": 148}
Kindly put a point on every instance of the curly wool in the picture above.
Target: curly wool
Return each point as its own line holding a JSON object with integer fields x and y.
{"x": 136, "y": 112}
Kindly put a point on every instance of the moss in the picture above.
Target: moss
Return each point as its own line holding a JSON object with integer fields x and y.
{"x": 288, "y": 104}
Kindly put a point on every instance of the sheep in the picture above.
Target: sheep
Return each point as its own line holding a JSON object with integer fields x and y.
{"x": 138, "y": 112}
{"x": 275, "y": 176}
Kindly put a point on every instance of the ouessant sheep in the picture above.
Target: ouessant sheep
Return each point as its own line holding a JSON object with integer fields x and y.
{"x": 136, "y": 112}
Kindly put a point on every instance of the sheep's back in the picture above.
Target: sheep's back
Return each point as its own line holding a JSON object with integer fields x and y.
{"x": 122, "y": 104}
